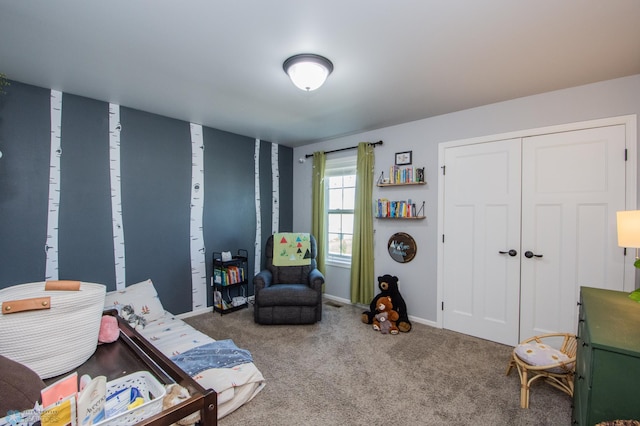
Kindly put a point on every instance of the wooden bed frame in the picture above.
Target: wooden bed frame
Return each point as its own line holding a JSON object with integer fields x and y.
{"x": 201, "y": 399}
{"x": 131, "y": 353}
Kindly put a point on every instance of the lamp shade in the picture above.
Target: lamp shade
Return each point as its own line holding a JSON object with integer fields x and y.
{"x": 308, "y": 71}
{"x": 628, "y": 228}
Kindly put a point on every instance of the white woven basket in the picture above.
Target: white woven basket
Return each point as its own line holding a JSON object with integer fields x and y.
{"x": 152, "y": 391}
{"x": 56, "y": 340}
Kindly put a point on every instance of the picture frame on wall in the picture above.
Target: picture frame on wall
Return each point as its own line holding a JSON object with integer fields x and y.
{"x": 403, "y": 158}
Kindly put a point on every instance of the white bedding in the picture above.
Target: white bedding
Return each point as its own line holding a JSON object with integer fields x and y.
{"x": 235, "y": 386}
{"x": 172, "y": 336}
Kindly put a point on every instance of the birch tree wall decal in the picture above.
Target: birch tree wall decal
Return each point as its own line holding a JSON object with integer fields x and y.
{"x": 198, "y": 257}
{"x": 51, "y": 245}
{"x": 116, "y": 195}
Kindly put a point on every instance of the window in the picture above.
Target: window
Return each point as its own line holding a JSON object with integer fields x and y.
{"x": 340, "y": 179}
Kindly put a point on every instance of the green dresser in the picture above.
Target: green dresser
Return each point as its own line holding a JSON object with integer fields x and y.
{"x": 607, "y": 379}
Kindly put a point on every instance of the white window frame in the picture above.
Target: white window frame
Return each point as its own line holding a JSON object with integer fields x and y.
{"x": 342, "y": 166}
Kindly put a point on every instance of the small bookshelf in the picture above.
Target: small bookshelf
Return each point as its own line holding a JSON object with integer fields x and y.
{"x": 230, "y": 282}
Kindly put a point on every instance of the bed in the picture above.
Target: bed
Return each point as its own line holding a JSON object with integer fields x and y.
{"x": 220, "y": 365}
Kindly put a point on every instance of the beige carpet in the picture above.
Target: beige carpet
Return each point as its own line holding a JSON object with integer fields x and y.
{"x": 341, "y": 372}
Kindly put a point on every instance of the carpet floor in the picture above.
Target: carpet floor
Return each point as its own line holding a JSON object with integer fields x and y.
{"x": 342, "y": 372}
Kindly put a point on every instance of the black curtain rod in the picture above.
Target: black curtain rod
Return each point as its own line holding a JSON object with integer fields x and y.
{"x": 344, "y": 149}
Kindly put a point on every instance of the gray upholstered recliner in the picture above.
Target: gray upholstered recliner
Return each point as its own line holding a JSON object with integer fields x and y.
{"x": 288, "y": 294}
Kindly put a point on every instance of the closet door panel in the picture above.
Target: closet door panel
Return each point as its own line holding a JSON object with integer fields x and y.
{"x": 572, "y": 185}
{"x": 481, "y": 219}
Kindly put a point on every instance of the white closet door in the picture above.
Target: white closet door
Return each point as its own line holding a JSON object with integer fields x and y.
{"x": 573, "y": 184}
{"x": 482, "y": 219}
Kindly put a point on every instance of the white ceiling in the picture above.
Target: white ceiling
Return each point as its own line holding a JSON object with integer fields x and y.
{"x": 219, "y": 62}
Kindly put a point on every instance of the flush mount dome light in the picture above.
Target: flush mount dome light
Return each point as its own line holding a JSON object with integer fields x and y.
{"x": 308, "y": 71}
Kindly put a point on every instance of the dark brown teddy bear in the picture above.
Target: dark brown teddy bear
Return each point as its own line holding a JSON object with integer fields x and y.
{"x": 388, "y": 286}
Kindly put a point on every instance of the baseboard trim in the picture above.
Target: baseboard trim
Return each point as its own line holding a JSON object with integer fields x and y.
{"x": 366, "y": 307}
{"x": 336, "y": 299}
{"x": 327, "y": 297}
{"x": 433, "y": 324}
{"x": 194, "y": 313}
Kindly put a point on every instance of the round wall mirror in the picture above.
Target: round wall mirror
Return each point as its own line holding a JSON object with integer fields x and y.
{"x": 402, "y": 247}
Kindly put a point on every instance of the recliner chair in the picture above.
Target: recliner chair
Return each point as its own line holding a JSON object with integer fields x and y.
{"x": 288, "y": 294}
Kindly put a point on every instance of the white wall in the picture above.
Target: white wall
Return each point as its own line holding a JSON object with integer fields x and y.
{"x": 418, "y": 278}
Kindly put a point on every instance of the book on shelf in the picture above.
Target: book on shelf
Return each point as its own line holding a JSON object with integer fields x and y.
{"x": 229, "y": 275}
{"x": 399, "y": 175}
{"x": 401, "y": 209}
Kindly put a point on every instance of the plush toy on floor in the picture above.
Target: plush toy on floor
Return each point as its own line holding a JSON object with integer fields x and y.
{"x": 385, "y": 318}
{"x": 175, "y": 395}
{"x": 388, "y": 286}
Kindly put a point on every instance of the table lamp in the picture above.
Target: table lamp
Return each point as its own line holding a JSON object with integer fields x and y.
{"x": 629, "y": 230}
{"x": 629, "y": 236}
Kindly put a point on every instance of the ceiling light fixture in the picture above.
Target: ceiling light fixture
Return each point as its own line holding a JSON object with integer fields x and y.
{"x": 308, "y": 71}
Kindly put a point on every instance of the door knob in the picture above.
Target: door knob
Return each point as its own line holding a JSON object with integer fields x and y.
{"x": 511, "y": 252}
{"x": 528, "y": 254}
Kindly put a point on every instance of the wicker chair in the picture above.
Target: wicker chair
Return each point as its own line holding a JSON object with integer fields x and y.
{"x": 558, "y": 370}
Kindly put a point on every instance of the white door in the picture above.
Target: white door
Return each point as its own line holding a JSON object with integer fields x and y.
{"x": 482, "y": 219}
{"x": 573, "y": 184}
{"x": 570, "y": 185}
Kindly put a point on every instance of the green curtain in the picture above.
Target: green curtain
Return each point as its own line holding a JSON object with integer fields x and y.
{"x": 318, "y": 214}
{"x": 362, "y": 279}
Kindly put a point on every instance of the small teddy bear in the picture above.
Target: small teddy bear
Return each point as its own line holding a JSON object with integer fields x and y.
{"x": 385, "y": 318}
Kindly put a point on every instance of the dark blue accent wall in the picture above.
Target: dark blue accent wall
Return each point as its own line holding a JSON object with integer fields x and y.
{"x": 285, "y": 164}
{"x": 229, "y": 220}
{"x": 155, "y": 153}
{"x": 155, "y": 165}
{"x": 24, "y": 178}
{"x": 85, "y": 237}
